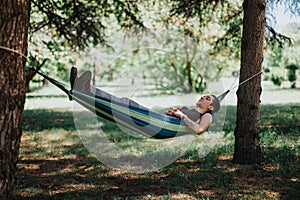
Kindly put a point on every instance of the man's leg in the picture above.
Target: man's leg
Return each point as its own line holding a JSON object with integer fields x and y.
{"x": 83, "y": 83}
{"x": 123, "y": 100}
{"x": 73, "y": 76}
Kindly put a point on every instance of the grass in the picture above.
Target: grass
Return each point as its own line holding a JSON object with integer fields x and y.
{"x": 55, "y": 164}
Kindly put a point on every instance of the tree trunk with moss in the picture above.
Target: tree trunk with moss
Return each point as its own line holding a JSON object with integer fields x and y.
{"x": 14, "y": 19}
{"x": 247, "y": 146}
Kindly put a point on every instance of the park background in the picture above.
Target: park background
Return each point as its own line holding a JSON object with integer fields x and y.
{"x": 55, "y": 165}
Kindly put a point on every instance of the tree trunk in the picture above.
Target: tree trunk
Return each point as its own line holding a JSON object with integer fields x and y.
{"x": 188, "y": 66}
{"x": 247, "y": 147}
{"x": 14, "y": 19}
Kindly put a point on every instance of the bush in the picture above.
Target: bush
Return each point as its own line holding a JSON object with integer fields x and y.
{"x": 277, "y": 80}
{"x": 292, "y": 76}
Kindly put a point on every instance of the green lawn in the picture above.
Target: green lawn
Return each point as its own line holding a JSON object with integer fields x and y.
{"x": 54, "y": 164}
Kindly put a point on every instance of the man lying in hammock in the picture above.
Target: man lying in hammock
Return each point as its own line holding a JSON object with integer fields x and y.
{"x": 197, "y": 119}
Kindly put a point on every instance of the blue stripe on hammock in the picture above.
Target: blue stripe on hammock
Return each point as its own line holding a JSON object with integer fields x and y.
{"x": 146, "y": 128}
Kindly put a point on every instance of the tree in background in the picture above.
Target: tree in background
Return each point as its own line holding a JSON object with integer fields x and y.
{"x": 59, "y": 29}
{"x": 292, "y": 75}
{"x": 247, "y": 143}
{"x": 274, "y": 60}
{"x": 172, "y": 32}
{"x": 282, "y": 47}
{"x": 14, "y": 20}
{"x": 247, "y": 146}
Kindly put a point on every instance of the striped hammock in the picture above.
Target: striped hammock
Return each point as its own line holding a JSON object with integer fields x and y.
{"x": 140, "y": 120}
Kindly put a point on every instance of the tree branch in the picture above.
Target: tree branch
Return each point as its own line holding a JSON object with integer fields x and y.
{"x": 278, "y": 38}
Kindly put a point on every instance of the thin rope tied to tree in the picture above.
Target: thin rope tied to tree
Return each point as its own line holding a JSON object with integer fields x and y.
{"x": 223, "y": 95}
{"x": 248, "y": 79}
{"x": 14, "y": 51}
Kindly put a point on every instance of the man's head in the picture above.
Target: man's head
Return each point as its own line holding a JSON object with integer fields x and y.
{"x": 215, "y": 103}
{"x": 209, "y": 103}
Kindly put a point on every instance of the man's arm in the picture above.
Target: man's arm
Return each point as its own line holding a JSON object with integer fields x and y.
{"x": 198, "y": 127}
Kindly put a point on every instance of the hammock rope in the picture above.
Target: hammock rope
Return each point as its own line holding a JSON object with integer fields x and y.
{"x": 223, "y": 95}
{"x": 248, "y": 79}
{"x": 58, "y": 84}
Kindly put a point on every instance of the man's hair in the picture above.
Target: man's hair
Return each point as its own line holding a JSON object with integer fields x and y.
{"x": 216, "y": 104}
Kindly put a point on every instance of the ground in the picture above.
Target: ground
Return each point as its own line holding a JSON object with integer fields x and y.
{"x": 54, "y": 164}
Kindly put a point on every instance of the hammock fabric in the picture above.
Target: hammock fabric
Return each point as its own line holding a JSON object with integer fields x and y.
{"x": 140, "y": 120}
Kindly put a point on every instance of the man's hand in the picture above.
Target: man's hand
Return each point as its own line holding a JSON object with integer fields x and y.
{"x": 171, "y": 111}
{"x": 179, "y": 114}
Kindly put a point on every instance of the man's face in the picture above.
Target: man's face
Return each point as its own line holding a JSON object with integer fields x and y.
{"x": 205, "y": 101}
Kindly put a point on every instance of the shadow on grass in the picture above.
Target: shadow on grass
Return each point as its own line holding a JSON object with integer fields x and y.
{"x": 73, "y": 174}
{"x": 281, "y": 118}
{"x": 37, "y": 120}
{"x": 210, "y": 177}
{"x": 83, "y": 179}
{"x": 42, "y": 119}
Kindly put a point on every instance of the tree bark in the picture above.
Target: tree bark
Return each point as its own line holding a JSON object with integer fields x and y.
{"x": 247, "y": 147}
{"x": 14, "y": 19}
